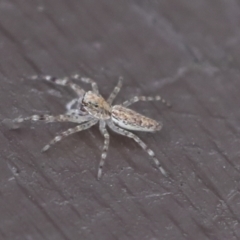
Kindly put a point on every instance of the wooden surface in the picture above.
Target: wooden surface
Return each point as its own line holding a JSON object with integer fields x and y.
{"x": 187, "y": 51}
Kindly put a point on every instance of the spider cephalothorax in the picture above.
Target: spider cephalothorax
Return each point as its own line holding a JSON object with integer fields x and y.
{"x": 96, "y": 105}
{"x": 90, "y": 107}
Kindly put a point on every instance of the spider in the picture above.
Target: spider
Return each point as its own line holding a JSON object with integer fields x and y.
{"x": 90, "y": 108}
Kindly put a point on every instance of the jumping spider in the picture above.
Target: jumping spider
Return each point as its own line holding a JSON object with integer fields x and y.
{"x": 90, "y": 107}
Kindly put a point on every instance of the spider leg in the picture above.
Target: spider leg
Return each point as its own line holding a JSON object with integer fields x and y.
{"x": 87, "y": 80}
{"x": 106, "y": 136}
{"x": 68, "y": 117}
{"x": 139, "y": 142}
{"x": 69, "y": 105}
{"x": 115, "y": 91}
{"x": 145, "y": 99}
{"x": 70, "y": 131}
{"x": 74, "y": 108}
{"x": 63, "y": 82}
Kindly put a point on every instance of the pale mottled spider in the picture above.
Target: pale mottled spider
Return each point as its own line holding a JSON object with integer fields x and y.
{"x": 90, "y": 107}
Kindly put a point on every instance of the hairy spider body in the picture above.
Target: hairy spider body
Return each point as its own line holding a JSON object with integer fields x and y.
{"x": 131, "y": 120}
{"x": 96, "y": 106}
{"x": 90, "y": 108}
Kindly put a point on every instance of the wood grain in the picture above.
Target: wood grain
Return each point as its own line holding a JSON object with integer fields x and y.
{"x": 186, "y": 51}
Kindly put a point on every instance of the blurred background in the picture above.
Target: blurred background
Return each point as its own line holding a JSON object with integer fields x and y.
{"x": 186, "y": 51}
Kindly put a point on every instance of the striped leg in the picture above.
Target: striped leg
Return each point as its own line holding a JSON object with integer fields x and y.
{"x": 145, "y": 99}
{"x": 139, "y": 142}
{"x": 106, "y": 136}
{"x": 87, "y": 80}
{"x": 71, "y": 117}
{"x": 69, "y": 105}
{"x": 74, "y": 107}
{"x": 70, "y": 131}
{"x": 63, "y": 82}
{"x": 115, "y": 91}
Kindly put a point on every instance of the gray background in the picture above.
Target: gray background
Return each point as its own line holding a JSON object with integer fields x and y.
{"x": 187, "y": 51}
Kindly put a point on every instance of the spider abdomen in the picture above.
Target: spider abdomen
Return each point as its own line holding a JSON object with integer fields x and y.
{"x": 129, "y": 119}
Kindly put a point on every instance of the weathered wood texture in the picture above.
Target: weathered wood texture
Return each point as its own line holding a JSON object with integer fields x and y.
{"x": 187, "y": 51}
